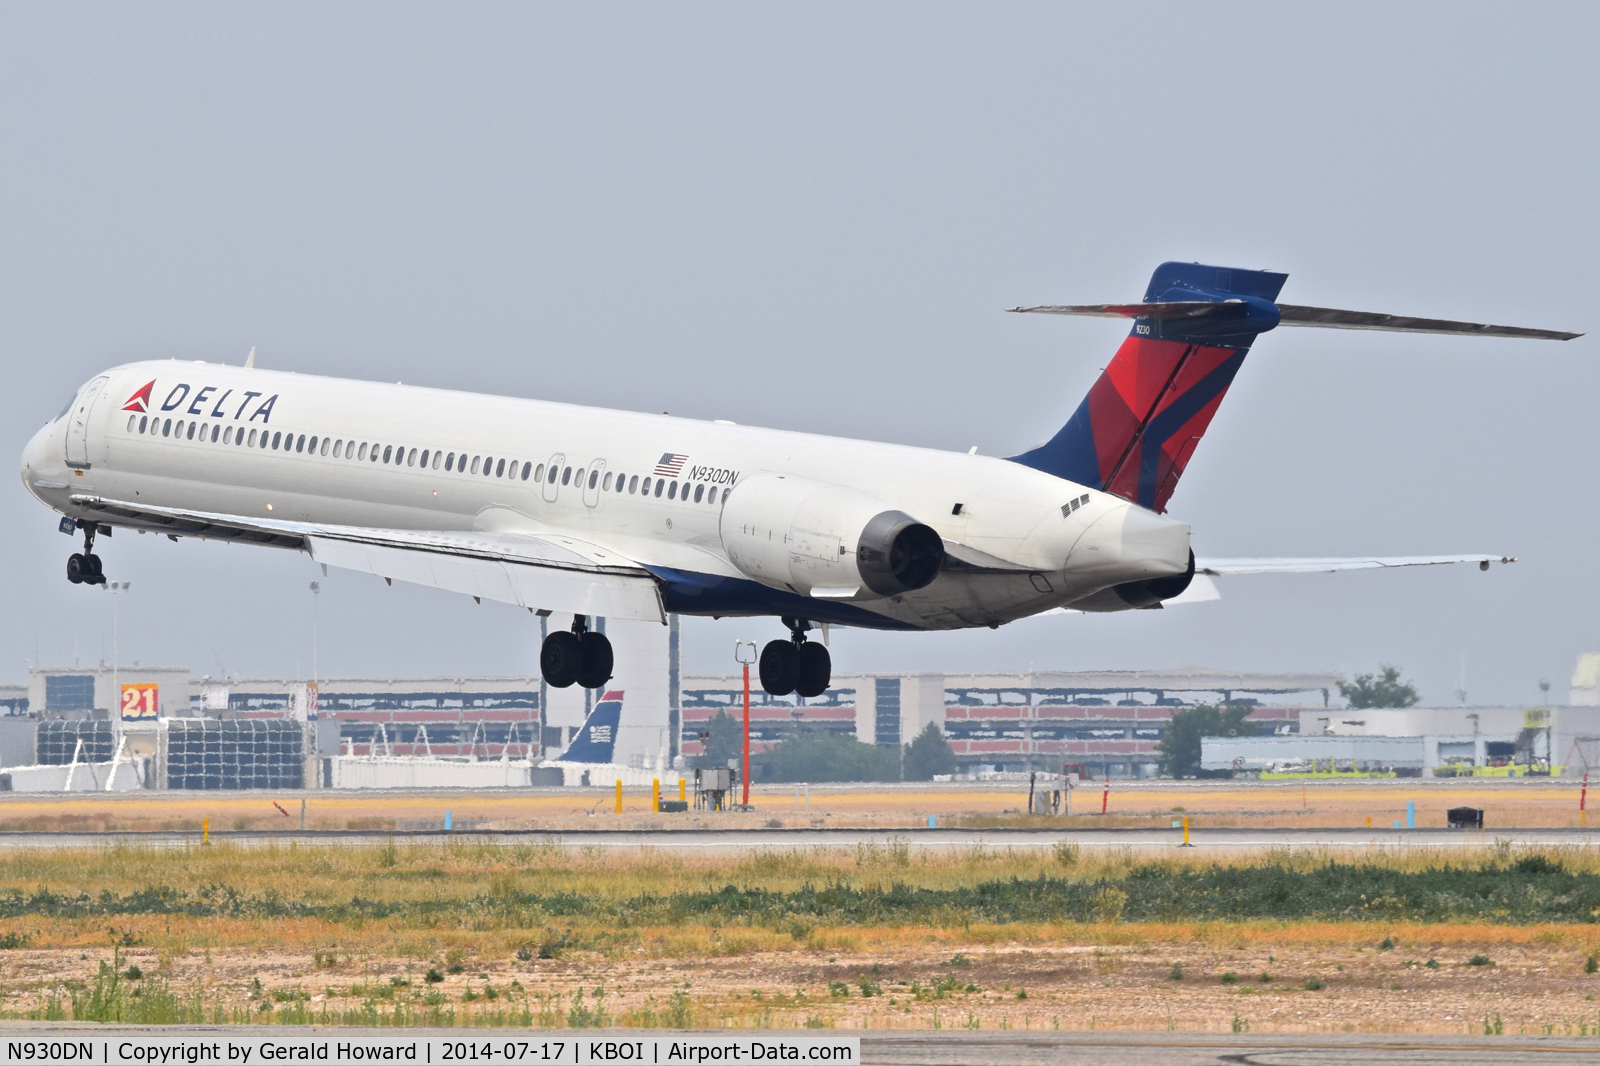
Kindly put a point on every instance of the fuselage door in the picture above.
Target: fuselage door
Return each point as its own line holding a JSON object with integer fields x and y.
{"x": 552, "y": 476}
{"x": 593, "y": 482}
{"x": 78, "y": 422}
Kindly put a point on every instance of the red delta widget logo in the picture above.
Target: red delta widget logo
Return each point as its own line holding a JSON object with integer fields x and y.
{"x": 200, "y": 399}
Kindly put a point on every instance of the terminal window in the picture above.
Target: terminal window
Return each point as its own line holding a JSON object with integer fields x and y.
{"x": 69, "y": 692}
{"x": 886, "y": 729}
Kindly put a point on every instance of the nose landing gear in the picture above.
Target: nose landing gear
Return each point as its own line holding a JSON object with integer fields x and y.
{"x": 578, "y": 656}
{"x": 795, "y": 665}
{"x": 84, "y": 568}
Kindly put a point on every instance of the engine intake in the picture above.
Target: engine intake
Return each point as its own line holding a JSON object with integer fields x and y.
{"x": 824, "y": 540}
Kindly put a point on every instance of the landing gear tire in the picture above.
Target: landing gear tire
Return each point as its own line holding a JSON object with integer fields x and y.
{"x": 816, "y": 670}
{"x": 561, "y": 659}
{"x": 780, "y": 667}
{"x": 75, "y": 572}
{"x": 595, "y": 650}
{"x": 93, "y": 574}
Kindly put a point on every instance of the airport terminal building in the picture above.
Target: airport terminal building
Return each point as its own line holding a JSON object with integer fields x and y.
{"x": 187, "y": 732}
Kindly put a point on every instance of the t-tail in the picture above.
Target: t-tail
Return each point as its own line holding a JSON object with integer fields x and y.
{"x": 597, "y": 740}
{"x": 1136, "y": 431}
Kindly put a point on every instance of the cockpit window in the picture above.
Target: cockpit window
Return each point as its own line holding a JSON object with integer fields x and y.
{"x": 70, "y": 401}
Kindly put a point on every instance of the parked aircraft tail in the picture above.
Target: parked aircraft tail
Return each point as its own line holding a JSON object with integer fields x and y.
{"x": 1136, "y": 430}
{"x": 597, "y": 740}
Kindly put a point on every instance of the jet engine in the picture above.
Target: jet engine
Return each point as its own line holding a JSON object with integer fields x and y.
{"x": 824, "y": 540}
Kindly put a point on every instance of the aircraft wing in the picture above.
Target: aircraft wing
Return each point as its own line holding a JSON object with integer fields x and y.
{"x": 1220, "y": 567}
{"x": 541, "y": 573}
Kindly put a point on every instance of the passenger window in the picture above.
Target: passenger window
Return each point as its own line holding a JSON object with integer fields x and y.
{"x": 438, "y": 457}
{"x": 338, "y": 448}
{"x": 476, "y": 459}
{"x": 538, "y": 473}
{"x": 646, "y": 489}
{"x": 166, "y": 428}
{"x": 622, "y": 483}
{"x": 311, "y": 446}
{"x": 388, "y": 452}
{"x": 411, "y": 457}
{"x": 252, "y": 438}
{"x": 605, "y": 486}
{"x": 672, "y": 491}
{"x": 423, "y": 462}
{"x": 527, "y": 468}
{"x": 276, "y": 438}
{"x": 566, "y": 476}
{"x": 300, "y": 445}
{"x": 450, "y": 461}
{"x": 488, "y": 466}
{"x": 325, "y": 443}
{"x": 144, "y": 420}
{"x": 216, "y": 431}
{"x": 711, "y": 497}
{"x": 661, "y": 483}
{"x": 227, "y": 435}
{"x": 698, "y": 490}
{"x": 594, "y": 478}
{"x": 553, "y": 473}
{"x": 133, "y": 420}
{"x": 500, "y": 469}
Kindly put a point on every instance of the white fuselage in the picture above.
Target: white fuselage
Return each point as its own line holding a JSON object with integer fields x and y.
{"x": 1047, "y": 552}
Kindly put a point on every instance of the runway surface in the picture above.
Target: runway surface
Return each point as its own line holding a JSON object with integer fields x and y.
{"x": 746, "y": 839}
{"x": 929, "y": 1048}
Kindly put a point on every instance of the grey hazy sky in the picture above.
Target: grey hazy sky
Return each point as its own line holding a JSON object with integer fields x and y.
{"x": 810, "y": 216}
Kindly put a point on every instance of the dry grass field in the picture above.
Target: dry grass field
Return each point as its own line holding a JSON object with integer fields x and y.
{"x": 462, "y": 933}
{"x": 1315, "y": 804}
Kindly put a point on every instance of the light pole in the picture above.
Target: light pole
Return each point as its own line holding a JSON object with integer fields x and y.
{"x": 116, "y": 589}
{"x": 738, "y": 657}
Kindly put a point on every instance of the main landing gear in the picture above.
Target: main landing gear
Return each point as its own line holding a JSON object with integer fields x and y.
{"x": 84, "y": 568}
{"x": 577, "y": 656}
{"x": 795, "y": 665}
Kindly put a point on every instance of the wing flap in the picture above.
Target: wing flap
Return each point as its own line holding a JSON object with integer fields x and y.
{"x": 1219, "y": 567}
{"x": 571, "y": 576}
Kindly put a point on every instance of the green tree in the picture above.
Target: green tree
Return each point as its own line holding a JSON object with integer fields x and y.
{"x": 819, "y": 755}
{"x": 1385, "y": 690}
{"x": 726, "y": 742}
{"x": 1180, "y": 747}
{"x": 929, "y": 753}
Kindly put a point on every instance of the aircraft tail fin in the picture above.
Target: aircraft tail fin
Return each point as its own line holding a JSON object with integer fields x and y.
{"x": 596, "y": 742}
{"x": 1136, "y": 430}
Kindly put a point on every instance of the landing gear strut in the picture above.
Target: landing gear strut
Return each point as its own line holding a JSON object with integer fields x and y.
{"x": 795, "y": 665}
{"x": 84, "y": 568}
{"x": 577, "y": 656}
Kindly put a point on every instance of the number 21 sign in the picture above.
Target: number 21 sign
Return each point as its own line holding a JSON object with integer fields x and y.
{"x": 139, "y": 702}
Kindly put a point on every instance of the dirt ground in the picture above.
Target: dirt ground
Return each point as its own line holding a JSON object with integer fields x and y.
{"x": 1524, "y": 988}
{"x": 1317, "y": 803}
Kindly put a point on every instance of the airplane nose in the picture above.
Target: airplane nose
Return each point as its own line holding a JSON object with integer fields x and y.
{"x": 40, "y": 461}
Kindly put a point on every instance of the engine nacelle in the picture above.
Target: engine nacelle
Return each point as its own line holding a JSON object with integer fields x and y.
{"x": 819, "y": 539}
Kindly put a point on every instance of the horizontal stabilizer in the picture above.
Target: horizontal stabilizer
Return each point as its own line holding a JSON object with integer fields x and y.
{"x": 1219, "y": 567}
{"x": 1329, "y": 318}
{"x": 1296, "y": 315}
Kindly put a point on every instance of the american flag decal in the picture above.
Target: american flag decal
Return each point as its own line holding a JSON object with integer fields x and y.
{"x": 671, "y": 464}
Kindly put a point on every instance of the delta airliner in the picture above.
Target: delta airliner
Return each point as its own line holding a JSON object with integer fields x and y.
{"x": 595, "y": 512}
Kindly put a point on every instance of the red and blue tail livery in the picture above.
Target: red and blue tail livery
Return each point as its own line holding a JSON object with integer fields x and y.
{"x": 1135, "y": 432}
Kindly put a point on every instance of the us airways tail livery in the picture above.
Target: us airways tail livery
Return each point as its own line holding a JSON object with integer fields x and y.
{"x": 595, "y": 512}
